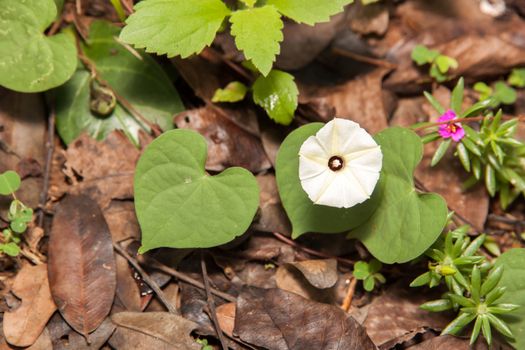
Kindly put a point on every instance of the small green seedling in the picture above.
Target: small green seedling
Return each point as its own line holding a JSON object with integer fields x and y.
{"x": 369, "y": 273}
{"x": 440, "y": 64}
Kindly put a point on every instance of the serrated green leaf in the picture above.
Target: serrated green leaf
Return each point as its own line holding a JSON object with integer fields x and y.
{"x": 258, "y": 32}
{"x": 304, "y": 215}
{"x": 30, "y": 61}
{"x": 9, "y": 182}
{"x": 403, "y": 218}
{"x": 178, "y": 205}
{"x": 422, "y": 55}
{"x": 174, "y": 27}
{"x": 233, "y": 92}
{"x": 309, "y": 11}
{"x": 141, "y": 81}
{"x": 277, "y": 94}
{"x": 249, "y": 3}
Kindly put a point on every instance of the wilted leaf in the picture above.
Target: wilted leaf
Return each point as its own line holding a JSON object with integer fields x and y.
{"x": 320, "y": 273}
{"x": 152, "y": 330}
{"x": 82, "y": 271}
{"x": 226, "y": 317}
{"x": 290, "y": 279}
{"x": 23, "y": 326}
{"x": 280, "y": 320}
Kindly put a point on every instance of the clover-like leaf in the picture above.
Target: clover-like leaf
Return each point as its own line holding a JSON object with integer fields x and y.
{"x": 257, "y": 33}
{"x": 30, "y": 61}
{"x": 309, "y": 11}
{"x": 406, "y": 223}
{"x": 277, "y": 94}
{"x": 174, "y": 27}
{"x": 513, "y": 280}
{"x": 178, "y": 205}
{"x": 140, "y": 80}
{"x": 9, "y": 182}
{"x": 423, "y": 55}
{"x": 303, "y": 213}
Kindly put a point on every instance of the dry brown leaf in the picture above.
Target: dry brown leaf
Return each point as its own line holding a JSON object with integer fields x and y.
{"x": 226, "y": 317}
{"x": 397, "y": 312}
{"x": 96, "y": 339}
{"x": 152, "y": 330}
{"x": 23, "y": 326}
{"x": 228, "y": 144}
{"x": 292, "y": 280}
{"x": 43, "y": 342}
{"x": 82, "y": 271}
{"x": 271, "y": 216}
{"x": 122, "y": 220}
{"x": 22, "y": 138}
{"x": 369, "y": 19}
{"x": 360, "y": 100}
{"x": 277, "y": 319}
{"x": 128, "y": 291}
{"x": 455, "y": 343}
{"x": 320, "y": 273}
{"x": 102, "y": 169}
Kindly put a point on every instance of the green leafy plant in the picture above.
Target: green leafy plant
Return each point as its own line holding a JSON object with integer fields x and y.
{"x": 488, "y": 150}
{"x": 178, "y": 205}
{"x": 18, "y": 216}
{"x": 472, "y": 285}
{"x": 276, "y": 93}
{"x": 440, "y": 64}
{"x": 30, "y": 61}
{"x": 369, "y": 273}
{"x": 500, "y": 93}
{"x": 178, "y": 27}
{"x": 517, "y": 78}
{"x": 87, "y": 102}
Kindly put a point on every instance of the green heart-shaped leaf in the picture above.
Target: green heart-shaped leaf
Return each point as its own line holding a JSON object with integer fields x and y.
{"x": 514, "y": 280}
{"x": 406, "y": 223}
{"x": 30, "y": 61}
{"x": 179, "y": 206}
{"x": 303, "y": 213}
{"x": 9, "y": 182}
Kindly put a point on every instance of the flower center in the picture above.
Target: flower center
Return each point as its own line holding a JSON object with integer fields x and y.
{"x": 453, "y": 128}
{"x": 336, "y": 163}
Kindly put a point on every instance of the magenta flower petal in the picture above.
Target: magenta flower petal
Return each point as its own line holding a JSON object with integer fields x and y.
{"x": 451, "y": 129}
{"x": 448, "y": 115}
{"x": 459, "y": 134}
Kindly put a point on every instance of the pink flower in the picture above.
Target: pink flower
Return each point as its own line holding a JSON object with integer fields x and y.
{"x": 450, "y": 130}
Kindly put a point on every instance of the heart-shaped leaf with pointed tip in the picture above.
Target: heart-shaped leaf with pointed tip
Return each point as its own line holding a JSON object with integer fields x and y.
{"x": 179, "y": 206}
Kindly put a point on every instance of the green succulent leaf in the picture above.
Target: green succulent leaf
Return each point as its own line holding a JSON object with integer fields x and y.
{"x": 140, "y": 80}
{"x": 9, "y": 182}
{"x": 435, "y": 103}
{"x": 178, "y": 205}
{"x": 440, "y": 152}
{"x": 30, "y": 61}
{"x": 457, "y": 96}
{"x": 277, "y": 94}
{"x": 258, "y": 32}
{"x": 403, "y": 218}
{"x": 309, "y": 11}
{"x": 174, "y": 27}
{"x": 304, "y": 215}
{"x": 233, "y": 92}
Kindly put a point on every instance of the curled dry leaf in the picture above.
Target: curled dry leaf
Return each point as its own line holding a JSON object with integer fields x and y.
{"x": 290, "y": 279}
{"x": 320, "y": 273}
{"x": 226, "y": 317}
{"x": 152, "y": 330}
{"x": 82, "y": 270}
{"x": 228, "y": 144}
{"x": 280, "y": 320}
{"x": 23, "y": 326}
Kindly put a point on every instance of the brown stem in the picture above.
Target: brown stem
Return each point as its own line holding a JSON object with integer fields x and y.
{"x": 146, "y": 278}
{"x": 347, "y": 302}
{"x": 50, "y": 146}
{"x": 311, "y": 251}
{"x": 211, "y": 303}
{"x": 362, "y": 58}
{"x": 185, "y": 278}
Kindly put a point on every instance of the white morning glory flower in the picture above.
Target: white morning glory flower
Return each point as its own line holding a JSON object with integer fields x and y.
{"x": 340, "y": 165}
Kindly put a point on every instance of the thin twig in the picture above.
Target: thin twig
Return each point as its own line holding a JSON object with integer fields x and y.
{"x": 311, "y": 251}
{"x": 50, "y": 146}
{"x": 347, "y": 302}
{"x": 153, "y": 285}
{"x": 361, "y": 58}
{"x": 185, "y": 278}
{"x": 211, "y": 303}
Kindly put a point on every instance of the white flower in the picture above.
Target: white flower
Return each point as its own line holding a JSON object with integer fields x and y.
{"x": 340, "y": 165}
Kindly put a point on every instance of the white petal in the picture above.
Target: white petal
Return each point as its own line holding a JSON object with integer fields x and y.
{"x": 362, "y": 164}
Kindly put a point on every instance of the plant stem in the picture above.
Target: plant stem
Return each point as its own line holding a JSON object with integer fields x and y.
{"x": 347, "y": 302}
{"x": 466, "y": 120}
